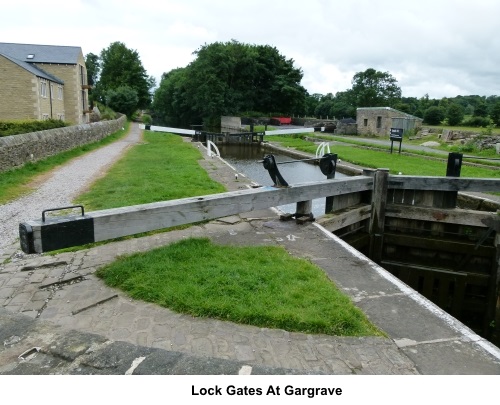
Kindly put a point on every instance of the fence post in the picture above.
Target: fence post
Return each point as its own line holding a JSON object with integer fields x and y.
{"x": 377, "y": 218}
{"x": 453, "y": 169}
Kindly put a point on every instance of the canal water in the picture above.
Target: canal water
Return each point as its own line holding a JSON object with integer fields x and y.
{"x": 245, "y": 158}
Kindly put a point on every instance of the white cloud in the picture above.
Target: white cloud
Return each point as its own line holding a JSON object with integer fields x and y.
{"x": 439, "y": 47}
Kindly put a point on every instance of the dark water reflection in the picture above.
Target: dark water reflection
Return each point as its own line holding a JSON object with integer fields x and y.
{"x": 246, "y": 158}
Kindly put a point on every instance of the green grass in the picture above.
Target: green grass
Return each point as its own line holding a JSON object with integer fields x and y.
{"x": 261, "y": 286}
{"x": 16, "y": 182}
{"x": 479, "y": 130}
{"x": 163, "y": 168}
{"x": 370, "y": 158}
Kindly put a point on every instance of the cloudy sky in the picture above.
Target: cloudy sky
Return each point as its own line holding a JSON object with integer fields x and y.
{"x": 443, "y": 48}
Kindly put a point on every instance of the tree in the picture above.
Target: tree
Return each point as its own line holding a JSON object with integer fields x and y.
{"x": 434, "y": 115}
{"x": 495, "y": 113}
{"x": 121, "y": 66}
{"x": 124, "y": 99}
{"x": 324, "y": 106}
{"x": 231, "y": 78}
{"x": 93, "y": 68}
{"x": 481, "y": 110}
{"x": 312, "y": 101}
{"x": 372, "y": 88}
{"x": 455, "y": 114}
{"x": 344, "y": 105}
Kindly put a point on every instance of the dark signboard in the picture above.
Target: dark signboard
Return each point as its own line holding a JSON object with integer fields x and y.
{"x": 396, "y": 135}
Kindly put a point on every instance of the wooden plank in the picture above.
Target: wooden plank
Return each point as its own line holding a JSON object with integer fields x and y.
{"x": 377, "y": 218}
{"x": 424, "y": 269}
{"x": 347, "y": 200}
{"x": 441, "y": 215}
{"x": 439, "y": 244}
{"x": 443, "y": 183}
{"x": 117, "y": 222}
{"x": 335, "y": 221}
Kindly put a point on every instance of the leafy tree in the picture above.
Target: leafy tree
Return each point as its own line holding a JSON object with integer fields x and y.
{"x": 372, "y": 88}
{"x": 93, "y": 68}
{"x": 455, "y": 114}
{"x": 343, "y": 105}
{"x": 434, "y": 115}
{"x": 495, "y": 113}
{"x": 230, "y": 78}
{"x": 171, "y": 104}
{"x": 124, "y": 99}
{"x": 324, "y": 106}
{"x": 481, "y": 110}
{"x": 312, "y": 101}
{"x": 121, "y": 66}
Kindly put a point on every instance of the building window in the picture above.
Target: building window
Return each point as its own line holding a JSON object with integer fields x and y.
{"x": 45, "y": 117}
{"x": 52, "y": 95}
{"x": 379, "y": 122}
{"x": 60, "y": 92}
{"x": 43, "y": 88}
{"x": 365, "y": 122}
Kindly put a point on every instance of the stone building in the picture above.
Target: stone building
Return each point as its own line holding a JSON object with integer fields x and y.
{"x": 43, "y": 81}
{"x": 380, "y": 120}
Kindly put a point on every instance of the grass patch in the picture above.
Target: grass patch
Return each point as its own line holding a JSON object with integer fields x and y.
{"x": 16, "y": 182}
{"x": 163, "y": 168}
{"x": 370, "y": 158}
{"x": 261, "y": 286}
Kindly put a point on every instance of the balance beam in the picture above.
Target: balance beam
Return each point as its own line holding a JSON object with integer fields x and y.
{"x": 47, "y": 234}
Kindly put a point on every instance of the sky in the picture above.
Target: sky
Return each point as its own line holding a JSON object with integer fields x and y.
{"x": 442, "y": 48}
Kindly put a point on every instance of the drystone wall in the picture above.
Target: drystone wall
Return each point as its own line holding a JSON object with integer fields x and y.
{"x": 17, "y": 150}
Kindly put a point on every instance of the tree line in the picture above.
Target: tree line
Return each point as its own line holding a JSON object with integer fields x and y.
{"x": 234, "y": 78}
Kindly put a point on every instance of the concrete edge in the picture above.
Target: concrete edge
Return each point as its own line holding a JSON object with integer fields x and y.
{"x": 452, "y": 322}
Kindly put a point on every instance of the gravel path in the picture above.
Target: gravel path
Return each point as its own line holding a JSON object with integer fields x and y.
{"x": 60, "y": 188}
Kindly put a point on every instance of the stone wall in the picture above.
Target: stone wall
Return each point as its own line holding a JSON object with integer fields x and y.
{"x": 16, "y": 150}
{"x": 230, "y": 124}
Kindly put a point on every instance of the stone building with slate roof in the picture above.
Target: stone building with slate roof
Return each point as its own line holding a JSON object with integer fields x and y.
{"x": 43, "y": 81}
{"x": 380, "y": 120}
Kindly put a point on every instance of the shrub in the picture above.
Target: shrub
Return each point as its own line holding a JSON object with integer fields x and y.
{"x": 455, "y": 114}
{"x": 146, "y": 119}
{"x": 124, "y": 99}
{"x": 24, "y": 127}
{"x": 434, "y": 115}
{"x": 477, "y": 122}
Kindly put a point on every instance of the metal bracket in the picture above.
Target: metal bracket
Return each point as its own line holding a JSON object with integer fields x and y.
{"x": 271, "y": 166}
{"x": 62, "y": 208}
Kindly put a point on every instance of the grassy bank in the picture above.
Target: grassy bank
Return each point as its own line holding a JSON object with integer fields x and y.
{"x": 16, "y": 182}
{"x": 370, "y": 158}
{"x": 162, "y": 168}
{"x": 261, "y": 286}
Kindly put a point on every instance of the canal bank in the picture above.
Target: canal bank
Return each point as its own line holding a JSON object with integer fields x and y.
{"x": 449, "y": 255}
{"x": 64, "y": 291}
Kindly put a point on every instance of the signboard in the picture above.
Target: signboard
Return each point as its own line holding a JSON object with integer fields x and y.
{"x": 396, "y": 135}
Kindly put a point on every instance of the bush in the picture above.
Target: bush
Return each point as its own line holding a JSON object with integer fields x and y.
{"x": 124, "y": 99}
{"x": 24, "y": 127}
{"x": 455, "y": 114}
{"x": 434, "y": 115}
{"x": 477, "y": 122}
{"x": 146, "y": 119}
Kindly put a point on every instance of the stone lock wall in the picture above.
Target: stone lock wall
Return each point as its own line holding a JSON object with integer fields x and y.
{"x": 16, "y": 150}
